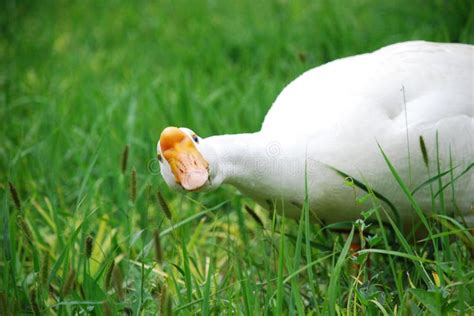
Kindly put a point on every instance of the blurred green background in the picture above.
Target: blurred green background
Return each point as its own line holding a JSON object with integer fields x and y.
{"x": 80, "y": 80}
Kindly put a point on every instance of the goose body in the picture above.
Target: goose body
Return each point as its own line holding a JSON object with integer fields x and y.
{"x": 335, "y": 117}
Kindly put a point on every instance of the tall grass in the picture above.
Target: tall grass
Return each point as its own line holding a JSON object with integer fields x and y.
{"x": 87, "y": 87}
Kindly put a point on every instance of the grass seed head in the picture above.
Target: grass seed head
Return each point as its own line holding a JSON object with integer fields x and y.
{"x": 124, "y": 159}
{"x": 45, "y": 269}
{"x": 302, "y": 57}
{"x": 34, "y": 303}
{"x": 89, "y": 245}
{"x": 424, "y": 153}
{"x": 25, "y": 228}
{"x": 163, "y": 205}
{"x": 14, "y": 194}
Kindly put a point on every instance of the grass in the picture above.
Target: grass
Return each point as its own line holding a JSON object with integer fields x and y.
{"x": 82, "y": 83}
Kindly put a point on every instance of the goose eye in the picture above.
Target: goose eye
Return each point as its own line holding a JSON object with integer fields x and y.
{"x": 159, "y": 157}
{"x": 195, "y": 138}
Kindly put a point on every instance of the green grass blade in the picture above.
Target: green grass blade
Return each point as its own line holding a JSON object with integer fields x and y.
{"x": 64, "y": 253}
{"x": 431, "y": 180}
{"x": 334, "y": 282}
{"x": 454, "y": 179}
{"x": 187, "y": 271}
{"x": 397, "y": 254}
{"x": 405, "y": 189}
{"x": 363, "y": 187}
{"x": 295, "y": 287}
{"x": 307, "y": 234}
{"x": 206, "y": 300}
{"x": 281, "y": 266}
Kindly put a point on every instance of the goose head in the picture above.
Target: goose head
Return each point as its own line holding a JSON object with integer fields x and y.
{"x": 187, "y": 162}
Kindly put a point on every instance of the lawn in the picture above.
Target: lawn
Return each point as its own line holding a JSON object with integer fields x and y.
{"x": 89, "y": 227}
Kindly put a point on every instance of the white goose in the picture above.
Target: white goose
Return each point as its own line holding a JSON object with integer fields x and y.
{"x": 336, "y": 115}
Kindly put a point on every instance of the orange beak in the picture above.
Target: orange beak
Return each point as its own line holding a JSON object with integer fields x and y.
{"x": 189, "y": 167}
